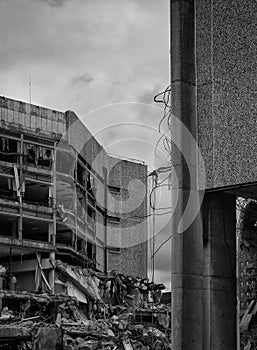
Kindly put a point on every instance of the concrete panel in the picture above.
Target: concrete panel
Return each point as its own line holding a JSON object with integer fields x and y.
{"x": 227, "y": 106}
{"x": 21, "y": 118}
{"x": 10, "y": 115}
{"x": 4, "y": 115}
{"x": 44, "y": 125}
{"x": 27, "y": 121}
{"x": 219, "y": 287}
{"x": 100, "y": 258}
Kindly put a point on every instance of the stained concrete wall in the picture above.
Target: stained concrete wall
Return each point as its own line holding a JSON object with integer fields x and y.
{"x": 219, "y": 271}
{"x": 131, "y": 206}
{"x": 25, "y": 116}
{"x": 226, "y": 50}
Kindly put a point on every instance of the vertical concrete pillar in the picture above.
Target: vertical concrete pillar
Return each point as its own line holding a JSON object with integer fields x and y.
{"x": 105, "y": 220}
{"x": 219, "y": 293}
{"x": 52, "y": 272}
{"x": 187, "y": 244}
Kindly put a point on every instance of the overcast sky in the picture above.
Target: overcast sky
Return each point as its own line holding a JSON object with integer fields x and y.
{"x": 103, "y": 59}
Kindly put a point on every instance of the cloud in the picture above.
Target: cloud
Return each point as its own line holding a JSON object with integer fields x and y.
{"x": 84, "y": 79}
{"x": 163, "y": 277}
{"x": 55, "y": 3}
{"x": 82, "y": 55}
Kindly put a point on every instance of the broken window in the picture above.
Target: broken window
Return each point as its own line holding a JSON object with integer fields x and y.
{"x": 36, "y": 192}
{"x": 91, "y": 250}
{"x": 9, "y": 225}
{"x": 35, "y": 229}
{"x": 45, "y": 157}
{"x": 38, "y": 155}
{"x": 63, "y": 235}
{"x": 6, "y": 187}
{"x": 91, "y": 184}
{"x": 91, "y": 217}
{"x": 8, "y": 150}
{"x": 80, "y": 175}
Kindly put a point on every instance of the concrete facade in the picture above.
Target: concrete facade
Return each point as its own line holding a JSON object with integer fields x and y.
{"x": 226, "y": 89}
{"x": 213, "y": 85}
{"x": 63, "y": 195}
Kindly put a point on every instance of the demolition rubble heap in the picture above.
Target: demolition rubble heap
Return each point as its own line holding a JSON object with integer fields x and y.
{"x": 248, "y": 321}
{"x": 99, "y": 312}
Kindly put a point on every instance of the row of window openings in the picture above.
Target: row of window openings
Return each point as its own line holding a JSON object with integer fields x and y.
{"x": 37, "y": 155}
{"x": 43, "y": 156}
{"x": 42, "y": 194}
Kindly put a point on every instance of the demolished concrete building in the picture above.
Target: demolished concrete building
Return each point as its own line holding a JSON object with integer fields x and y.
{"x": 63, "y": 197}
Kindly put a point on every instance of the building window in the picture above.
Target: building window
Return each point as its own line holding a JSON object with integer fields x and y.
{"x": 114, "y": 189}
{"x": 8, "y": 150}
{"x": 113, "y": 220}
{"x": 91, "y": 216}
{"x": 80, "y": 175}
{"x": 114, "y": 250}
{"x": 38, "y": 155}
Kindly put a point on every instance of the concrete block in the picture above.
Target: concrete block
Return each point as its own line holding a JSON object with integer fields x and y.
{"x": 10, "y": 115}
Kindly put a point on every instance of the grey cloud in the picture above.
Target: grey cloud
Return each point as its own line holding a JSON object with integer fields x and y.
{"x": 147, "y": 97}
{"x": 163, "y": 277}
{"x": 55, "y": 3}
{"x": 85, "y": 79}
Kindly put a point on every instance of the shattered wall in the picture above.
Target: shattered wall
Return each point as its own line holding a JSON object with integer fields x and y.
{"x": 68, "y": 202}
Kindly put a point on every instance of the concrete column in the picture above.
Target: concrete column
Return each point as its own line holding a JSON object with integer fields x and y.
{"x": 187, "y": 245}
{"x": 219, "y": 294}
{"x": 52, "y": 272}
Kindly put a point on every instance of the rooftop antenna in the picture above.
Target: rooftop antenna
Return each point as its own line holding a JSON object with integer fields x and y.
{"x": 30, "y": 89}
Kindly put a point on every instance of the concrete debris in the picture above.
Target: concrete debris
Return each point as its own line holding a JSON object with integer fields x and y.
{"x": 248, "y": 327}
{"x": 114, "y": 312}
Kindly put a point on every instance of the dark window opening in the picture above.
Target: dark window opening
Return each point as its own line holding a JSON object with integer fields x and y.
{"x": 114, "y": 250}
{"x": 113, "y": 219}
{"x": 80, "y": 175}
{"x": 7, "y": 188}
{"x": 91, "y": 185}
{"x": 9, "y": 226}
{"x": 36, "y": 193}
{"x": 91, "y": 250}
{"x": 91, "y": 216}
{"x": 114, "y": 189}
{"x": 63, "y": 235}
{"x": 8, "y": 150}
{"x": 35, "y": 230}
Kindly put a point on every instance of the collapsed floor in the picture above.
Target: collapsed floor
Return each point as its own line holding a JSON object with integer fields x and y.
{"x": 101, "y": 312}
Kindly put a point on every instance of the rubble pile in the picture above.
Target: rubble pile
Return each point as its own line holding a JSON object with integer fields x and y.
{"x": 97, "y": 311}
{"x": 248, "y": 327}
